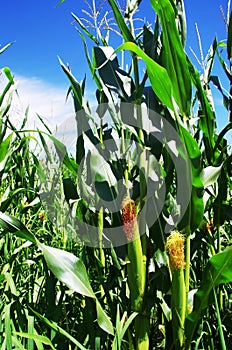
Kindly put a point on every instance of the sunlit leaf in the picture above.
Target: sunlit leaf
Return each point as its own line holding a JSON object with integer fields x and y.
{"x": 210, "y": 175}
{"x": 103, "y": 320}
{"x": 8, "y": 74}
{"x": 67, "y": 268}
{"x": 5, "y": 151}
{"x": 4, "y": 48}
{"x": 37, "y": 338}
{"x": 86, "y": 31}
{"x": 192, "y": 147}
{"x": 217, "y": 271}
{"x": 11, "y": 224}
{"x": 111, "y": 74}
{"x": 71, "y": 271}
{"x": 76, "y": 88}
{"x": 62, "y": 152}
{"x": 158, "y": 75}
{"x": 121, "y": 21}
{"x": 173, "y": 55}
{"x": 206, "y": 118}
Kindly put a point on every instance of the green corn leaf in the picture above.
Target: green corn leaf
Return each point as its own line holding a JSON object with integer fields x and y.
{"x": 18, "y": 344}
{"x": 68, "y": 269}
{"x": 2, "y": 96}
{"x": 110, "y": 72}
{"x": 127, "y": 36}
{"x": 207, "y": 118}
{"x": 76, "y": 88}
{"x": 70, "y": 190}
{"x": 191, "y": 145}
{"x": 11, "y": 224}
{"x": 158, "y": 75}
{"x": 90, "y": 64}
{"x": 71, "y": 271}
{"x": 37, "y": 338}
{"x": 44, "y": 123}
{"x": 210, "y": 61}
{"x": 103, "y": 320}
{"x": 173, "y": 56}
{"x": 223, "y": 63}
{"x": 222, "y": 213}
{"x": 216, "y": 81}
{"x": 197, "y": 208}
{"x": 4, "y": 48}
{"x": 63, "y": 154}
{"x": 86, "y": 31}
{"x": 61, "y": 151}
{"x": 58, "y": 329}
{"x": 121, "y": 327}
{"x": 227, "y": 128}
{"x": 195, "y": 211}
{"x": 8, "y": 74}
{"x": 7, "y": 324}
{"x": 217, "y": 271}
{"x": 5, "y": 151}
{"x": 181, "y": 20}
{"x": 99, "y": 169}
{"x": 210, "y": 174}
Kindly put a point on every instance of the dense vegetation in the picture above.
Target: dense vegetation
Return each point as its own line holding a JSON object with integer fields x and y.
{"x": 125, "y": 242}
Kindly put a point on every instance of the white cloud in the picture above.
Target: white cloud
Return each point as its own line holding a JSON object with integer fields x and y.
{"x": 47, "y": 100}
{"x": 42, "y": 98}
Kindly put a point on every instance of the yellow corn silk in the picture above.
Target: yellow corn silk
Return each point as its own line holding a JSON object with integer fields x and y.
{"x": 175, "y": 249}
{"x": 129, "y": 218}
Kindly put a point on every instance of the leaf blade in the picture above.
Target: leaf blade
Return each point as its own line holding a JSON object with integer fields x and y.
{"x": 158, "y": 75}
{"x": 68, "y": 269}
{"x": 217, "y": 271}
{"x": 174, "y": 57}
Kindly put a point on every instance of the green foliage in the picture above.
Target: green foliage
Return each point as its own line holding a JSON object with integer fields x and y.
{"x": 217, "y": 271}
{"x": 62, "y": 287}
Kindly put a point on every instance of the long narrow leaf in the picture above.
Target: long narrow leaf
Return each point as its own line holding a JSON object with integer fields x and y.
{"x": 112, "y": 75}
{"x": 71, "y": 271}
{"x": 68, "y": 269}
{"x": 217, "y": 271}
{"x": 57, "y": 328}
{"x": 174, "y": 57}
{"x": 86, "y": 31}
{"x": 158, "y": 75}
{"x": 207, "y": 120}
{"x": 15, "y": 226}
{"x": 37, "y": 338}
{"x": 4, "y": 48}
{"x": 127, "y": 36}
{"x": 76, "y": 88}
{"x": 103, "y": 320}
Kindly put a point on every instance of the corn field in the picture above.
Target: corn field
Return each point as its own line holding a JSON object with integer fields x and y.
{"x": 122, "y": 240}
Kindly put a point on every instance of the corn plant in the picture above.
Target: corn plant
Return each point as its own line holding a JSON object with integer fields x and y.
{"x": 147, "y": 192}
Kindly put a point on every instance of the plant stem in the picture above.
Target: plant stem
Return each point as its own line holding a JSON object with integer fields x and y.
{"x": 101, "y": 250}
{"x": 137, "y": 283}
{"x": 187, "y": 266}
{"x": 142, "y": 325}
{"x": 222, "y": 338}
{"x": 178, "y": 307}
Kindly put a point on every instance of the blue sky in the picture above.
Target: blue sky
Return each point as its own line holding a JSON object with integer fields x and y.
{"x": 41, "y": 31}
